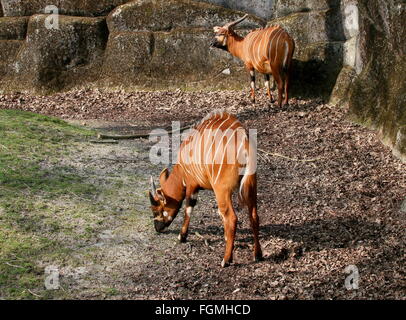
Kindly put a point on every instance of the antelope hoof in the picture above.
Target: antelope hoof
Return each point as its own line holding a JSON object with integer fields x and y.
{"x": 258, "y": 257}
{"x": 224, "y": 264}
{"x": 182, "y": 238}
{"x": 271, "y": 99}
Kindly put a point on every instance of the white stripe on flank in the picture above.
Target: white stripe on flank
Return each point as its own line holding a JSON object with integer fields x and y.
{"x": 207, "y": 142}
{"x": 286, "y": 54}
{"x": 277, "y": 43}
{"x": 221, "y": 144}
{"x": 252, "y": 47}
{"x": 242, "y": 143}
{"x": 194, "y": 162}
{"x": 188, "y": 160}
{"x": 214, "y": 139}
{"x": 262, "y": 45}
{"x": 200, "y": 172}
{"x": 270, "y": 39}
{"x": 270, "y": 45}
{"x": 186, "y": 154}
{"x": 224, "y": 153}
{"x": 257, "y": 47}
{"x": 263, "y": 36}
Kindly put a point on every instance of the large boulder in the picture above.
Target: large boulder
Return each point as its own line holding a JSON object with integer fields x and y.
{"x": 166, "y": 15}
{"x": 377, "y": 97}
{"x": 53, "y": 59}
{"x": 158, "y": 60}
{"x": 14, "y": 8}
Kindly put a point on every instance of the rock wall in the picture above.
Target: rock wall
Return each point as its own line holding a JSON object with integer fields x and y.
{"x": 140, "y": 44}
{"x": 377, "y": 96}
{"x": 350, "y": 52}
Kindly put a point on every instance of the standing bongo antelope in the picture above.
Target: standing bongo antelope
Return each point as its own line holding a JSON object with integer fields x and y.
{"x": 269, "y": 51}
{"x": 216, "y": 155}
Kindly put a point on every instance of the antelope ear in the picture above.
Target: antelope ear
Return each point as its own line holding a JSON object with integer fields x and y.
{"x": 152, "y": 200}
{"x": 153, "y": 187}
{"x": 163, "y": 176}
{"x": 161, "y": 195}
{"x": 216, "y": 29}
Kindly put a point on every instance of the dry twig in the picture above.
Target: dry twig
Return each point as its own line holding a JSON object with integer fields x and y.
{"x": 138, "y": 135}
{"x": 266, "y": 153}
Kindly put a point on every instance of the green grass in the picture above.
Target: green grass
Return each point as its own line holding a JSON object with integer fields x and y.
{"x": 35, "y": 224}
{"x": 57, "y": 200}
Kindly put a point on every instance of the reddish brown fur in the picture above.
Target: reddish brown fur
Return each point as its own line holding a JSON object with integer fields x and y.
{"x": 268, "y": 51}
{"x": 198, "y": 171}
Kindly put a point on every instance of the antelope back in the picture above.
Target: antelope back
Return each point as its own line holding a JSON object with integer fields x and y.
{"x": 216, "y": 147}
{"x": 265, "y": 47}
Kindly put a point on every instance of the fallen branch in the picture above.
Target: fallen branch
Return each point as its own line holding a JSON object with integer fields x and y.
{"x": 13, "y": 265}
{"x": 139, "y": 135}
{"x": 104, "y": 141}
{"x": 285, "y": 157}
{"x": 34, "y": 294}
{"x": 120, "y": 160}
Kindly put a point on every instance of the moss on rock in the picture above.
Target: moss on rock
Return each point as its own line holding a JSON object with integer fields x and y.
{"x": 378, "y": 97}
{"x": 8, "y": 53}
{"x": 51, "y": 60}
{"x": 13, "y": 28}
{"x": 311, "y": 27}
{"x": 340, "y": 93}
{"x": 283, "y": 8}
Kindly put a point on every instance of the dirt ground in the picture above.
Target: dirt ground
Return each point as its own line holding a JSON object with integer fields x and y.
{"x": 330, "y": 195}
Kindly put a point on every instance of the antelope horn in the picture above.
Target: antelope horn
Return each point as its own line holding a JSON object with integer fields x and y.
{"x": 232, "y": 24}
{"x": 153, "y": 187}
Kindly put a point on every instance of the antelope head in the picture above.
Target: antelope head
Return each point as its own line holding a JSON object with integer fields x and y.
{"x": 163, "y": 207}
{"x": 222, "y": 33}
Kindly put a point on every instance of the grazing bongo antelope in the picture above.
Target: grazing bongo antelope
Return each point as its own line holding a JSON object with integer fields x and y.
{"x": 269, "y": 51}
{"x": 216, "y": 155}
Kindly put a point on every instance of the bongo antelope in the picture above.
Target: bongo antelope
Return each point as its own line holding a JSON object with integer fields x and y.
{"x": 268, "y": 51}
{"x": 216, "y": 155}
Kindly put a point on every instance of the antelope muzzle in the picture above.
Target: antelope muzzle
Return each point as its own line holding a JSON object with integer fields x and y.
{"x": 160, "y": 226}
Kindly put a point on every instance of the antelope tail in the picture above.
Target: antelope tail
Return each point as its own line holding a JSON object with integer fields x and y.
{"x": 248, "y": 185}
{"x": 286, "y": 56}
